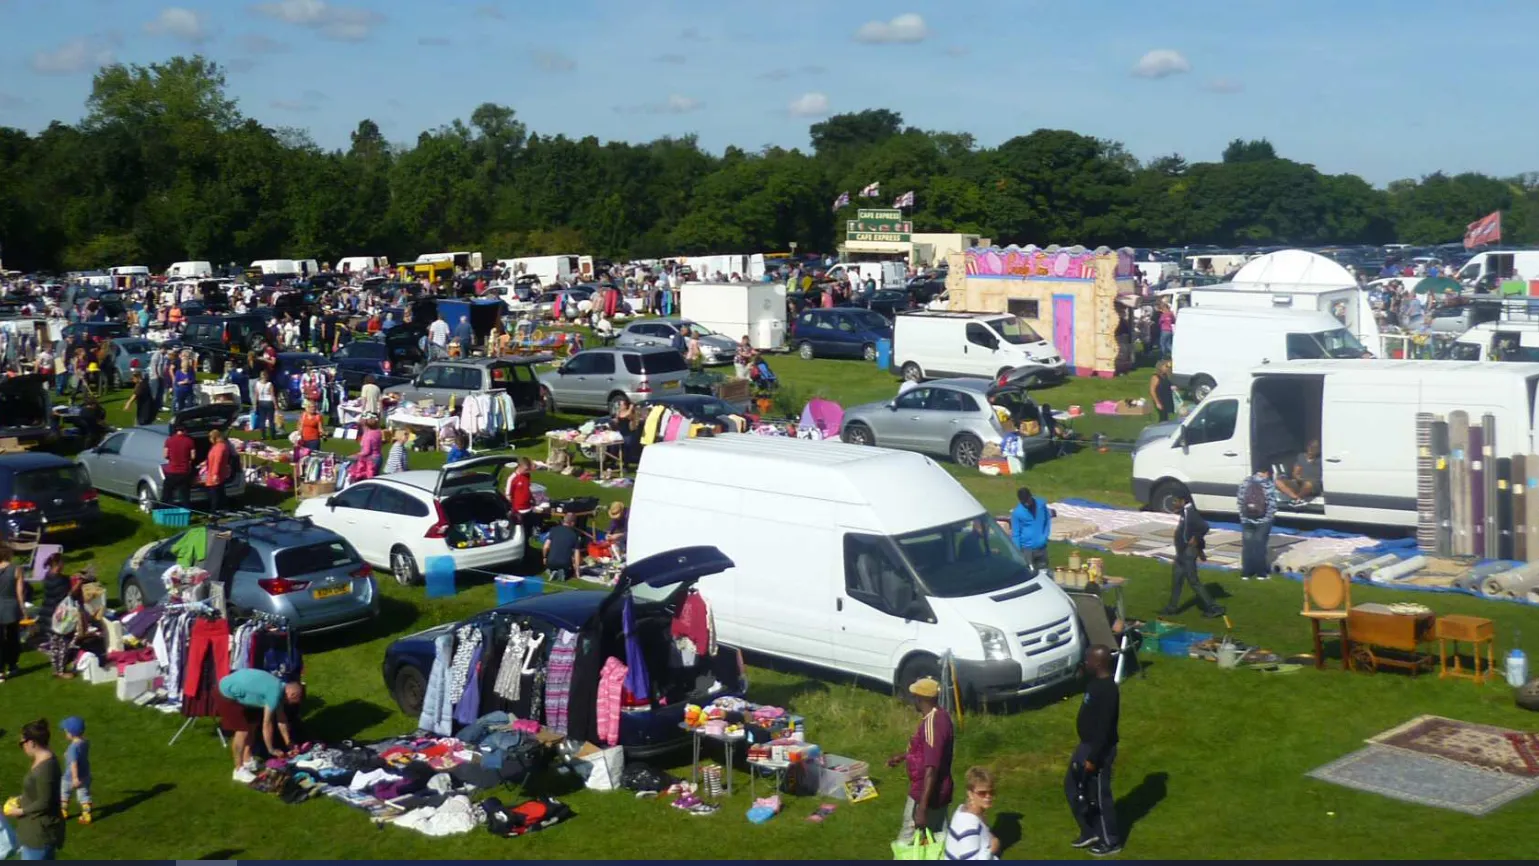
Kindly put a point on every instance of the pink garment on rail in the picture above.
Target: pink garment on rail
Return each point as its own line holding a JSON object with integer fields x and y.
{"x": 611, "y": 684}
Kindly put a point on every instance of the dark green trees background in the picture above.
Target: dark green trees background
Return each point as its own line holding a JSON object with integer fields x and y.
{"x": 164, "y": 167}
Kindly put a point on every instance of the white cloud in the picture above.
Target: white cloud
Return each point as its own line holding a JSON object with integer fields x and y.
{"x": 256, "y": 43}
{"x": 1161, "y": 63}
{"x": 809, "y": 105}
{"x": 76, "y": 55}
{"x": 183, "y": 24}
{"x": 552, "y": 61}
{"x": 906, "y": 28}
{"x": 339, "y": 23}
{"x": 1226, "y": 85}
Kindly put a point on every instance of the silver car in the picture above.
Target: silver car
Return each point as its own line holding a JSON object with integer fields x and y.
{"x": 457, "y": 378}
{"x": 126, "y": 351}
{"x": 131, "y": 463}
{"x": 949, "y": 417}
{"x": 714, "y": 348}
{"x": 596, "y": 379}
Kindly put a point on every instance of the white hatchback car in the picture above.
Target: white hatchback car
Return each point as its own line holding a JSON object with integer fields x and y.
{"x": 400, "y": 521}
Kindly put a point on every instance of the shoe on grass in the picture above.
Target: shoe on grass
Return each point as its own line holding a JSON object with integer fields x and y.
{"x": 1086, "y": 841}
{"x": 1103, "y": 849}
{"x": 1216, "y": 612}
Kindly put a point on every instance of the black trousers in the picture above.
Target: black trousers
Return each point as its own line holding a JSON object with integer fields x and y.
{"x": 10, "y": 646}
{"x": 1184, "y": 572}
{"x": 178, "y": 488}
{"x": 1090, "y": 797}
{"x": 216, "y": 499}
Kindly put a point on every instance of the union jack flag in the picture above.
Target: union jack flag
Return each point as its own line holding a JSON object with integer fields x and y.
{"x": 842, "y": 201}
{"x": 872, "y": 191}
{"x": 905, "y": 200}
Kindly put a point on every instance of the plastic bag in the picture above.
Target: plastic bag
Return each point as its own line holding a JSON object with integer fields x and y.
{"x": 8, "y": 843}
{"x": 66, "y": 617}
{"x": 601, "y": 770}
{"x": 923, "y": 847}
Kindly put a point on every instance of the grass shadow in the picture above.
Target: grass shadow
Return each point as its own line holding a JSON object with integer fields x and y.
{"x": 1007, "y": 829}
{"x": 336, "y": 722}
{"x": 133, "y": 799}
{"x": 108, "y": 529}
{"x": 1140, "y": 801}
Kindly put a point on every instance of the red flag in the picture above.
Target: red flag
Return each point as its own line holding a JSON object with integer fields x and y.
{"x": 1486, "y": 230}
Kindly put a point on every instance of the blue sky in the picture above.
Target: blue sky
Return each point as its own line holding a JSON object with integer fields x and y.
{"x": 1383, "y": 88}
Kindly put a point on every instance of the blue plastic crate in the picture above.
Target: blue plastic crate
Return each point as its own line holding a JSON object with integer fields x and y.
{"x": 176, "y": 517}
{"x": 440, "y": 577}
{"x": 511, "y": 588}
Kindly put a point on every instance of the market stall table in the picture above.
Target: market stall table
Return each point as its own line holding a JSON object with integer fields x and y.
{"x": 729, "y": 745}
{"x": 604, "y": 447}
{"x": 768, "y": 766}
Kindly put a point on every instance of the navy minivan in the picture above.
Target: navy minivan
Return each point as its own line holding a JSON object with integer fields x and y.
{"x": 839, "y": 332}
{"x": 46, "y": 492}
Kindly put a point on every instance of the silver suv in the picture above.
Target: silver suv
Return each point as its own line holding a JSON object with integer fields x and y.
{"x": 598, "y": 378}
{"x": 714, "y": 348}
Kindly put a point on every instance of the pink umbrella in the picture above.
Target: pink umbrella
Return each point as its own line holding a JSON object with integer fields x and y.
{"x": 826, "y": 415}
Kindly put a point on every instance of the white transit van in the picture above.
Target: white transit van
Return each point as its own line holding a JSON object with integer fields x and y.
{"x": 1363, "y": 414}
{"x": 1213, "y": 344}
{"x": 858, "y": 560}
{"x": 276, "y": 267}
{"x": 1497, "y": 266}
{"x": 1497, "y": 341}
{"x": 184, "y": 270}
{"x": 936, "y": 345}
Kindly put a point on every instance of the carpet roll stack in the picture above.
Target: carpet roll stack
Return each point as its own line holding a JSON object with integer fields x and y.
{"x": 1516, "y": 583}
{"x": 1470, "y": 500}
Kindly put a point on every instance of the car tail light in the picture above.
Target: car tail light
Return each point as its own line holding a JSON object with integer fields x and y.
{"x": 387, "y": 367}
{"x": 17, "y": 506}
{"x": 281, "y": 585}
{"x": 440, "y": 526}
{"x": 88, "y": 496}
{"x": 226, "y": 335}
{"x": 644, "y": 387}
{"x": 1003, "y": 378}
{"x": 364, "y": 570}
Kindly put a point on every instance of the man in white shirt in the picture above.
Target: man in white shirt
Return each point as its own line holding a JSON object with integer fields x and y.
{"x": 438, "y": 333}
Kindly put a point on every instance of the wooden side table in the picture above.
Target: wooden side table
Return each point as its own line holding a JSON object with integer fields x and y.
{"x": 1473, "y": 630}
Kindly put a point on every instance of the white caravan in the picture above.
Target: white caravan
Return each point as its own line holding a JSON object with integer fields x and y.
{"x": 856, "y": 560}
{"x": 1363, "y": 414}
{"x": 550, "y": 269}
{"x": 1212, "y": 345}
{"x": 734, "y": 309}
{"x": 278, "y": 267}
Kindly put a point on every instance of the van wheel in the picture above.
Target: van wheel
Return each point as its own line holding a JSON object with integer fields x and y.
{"x": 858, "y": 434}
{"x": 912, "y": 373}
{"x": 403, "y": 567}
{"x": 409, "y": 689}
{"x": 868, "y": 352}
{"x": 966, "y": 450}
{"x": 804, "y": 351}
{"x": 1202, "y": 386}
{"x": 1163, "y": 498}
{"x": 916, "y": 668}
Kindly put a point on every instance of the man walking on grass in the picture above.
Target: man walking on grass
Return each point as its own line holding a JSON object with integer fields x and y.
{"x": 1088, "y": 783}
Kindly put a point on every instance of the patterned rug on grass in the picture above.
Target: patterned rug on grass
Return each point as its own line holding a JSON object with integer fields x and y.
{"x": 1417, "y": 778}
{"x": 1483, "y": 746}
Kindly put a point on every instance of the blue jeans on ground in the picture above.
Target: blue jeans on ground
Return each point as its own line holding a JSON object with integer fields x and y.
{"x": 1165, "y": 339}
{"x": 1253, "y": 541}
{"x": 36, "y": 853}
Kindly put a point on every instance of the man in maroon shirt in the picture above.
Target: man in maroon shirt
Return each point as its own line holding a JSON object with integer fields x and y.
{"x": 180, "y": 453}
{"x": 929, "y": 764}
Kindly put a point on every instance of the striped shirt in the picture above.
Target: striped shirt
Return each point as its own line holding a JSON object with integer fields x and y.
{"x": 968, "y": 838}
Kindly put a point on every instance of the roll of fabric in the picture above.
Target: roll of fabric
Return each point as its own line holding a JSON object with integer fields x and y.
{"x": 1362, "y": 569}
{"x": 1472, "y": 579}
{"x": 1404, "y": 568}
{"x": 1504, "y": 584}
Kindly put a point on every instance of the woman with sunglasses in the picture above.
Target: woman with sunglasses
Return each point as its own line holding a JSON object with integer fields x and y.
{"x": 968, "y": 836}
{"x": 39, "y": 822}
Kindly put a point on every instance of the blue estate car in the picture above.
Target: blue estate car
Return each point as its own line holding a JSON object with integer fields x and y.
{"x": 656, "y": 584}
{"x": 839, "y": 332}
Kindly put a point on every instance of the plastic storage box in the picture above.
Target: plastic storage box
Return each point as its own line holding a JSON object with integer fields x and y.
{"x": 511, "y": 588}
{"x": 171, "y": 516}
{"x": 440, "y": 577}
{"x": 835, "y": 770}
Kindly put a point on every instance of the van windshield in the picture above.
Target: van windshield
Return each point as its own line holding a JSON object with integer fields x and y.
{"x": 1015, "y": 330}
{"x": 965, "y": 558}
{"x": 1337, "y": 343}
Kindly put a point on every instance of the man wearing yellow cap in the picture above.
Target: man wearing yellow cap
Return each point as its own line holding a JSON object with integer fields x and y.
{"x": 929, "y": 764}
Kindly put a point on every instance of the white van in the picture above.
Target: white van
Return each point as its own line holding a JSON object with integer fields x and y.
{"x": 858, "y": 560}
{"x": 1505, "y": 341}
{"x": 887, "y": 275}
{"x": 1486, "y": 267}
{"x": 1363, "y": 413}
{"x": 936, "y": 345}
{"x": 185, "y": 270}
{"x": 1213, "y": 344}
{"x": 308, "y": 267}
{"x": 277, "y": 267}
{"x": 550, "y": 269}
{"x": 360, "y": 264}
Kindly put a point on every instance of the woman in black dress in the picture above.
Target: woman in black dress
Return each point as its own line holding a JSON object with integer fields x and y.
{"x": 1162, "y": 391}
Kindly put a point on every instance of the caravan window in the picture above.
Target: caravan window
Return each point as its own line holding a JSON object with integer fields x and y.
{"x": 1213, "y": 423}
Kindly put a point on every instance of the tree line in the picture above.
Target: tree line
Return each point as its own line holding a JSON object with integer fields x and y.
{"x": 164, "y": 167}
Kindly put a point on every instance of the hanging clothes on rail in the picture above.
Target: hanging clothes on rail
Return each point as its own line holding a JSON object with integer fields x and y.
{"x": 558, "y": 680}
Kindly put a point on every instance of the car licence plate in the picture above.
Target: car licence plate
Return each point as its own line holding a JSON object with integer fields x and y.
{"x": 1056, "y": 665}
{"x": 330, "y": 592}
{"x": 670, "y": 385}
{"x": 61, "y": 527}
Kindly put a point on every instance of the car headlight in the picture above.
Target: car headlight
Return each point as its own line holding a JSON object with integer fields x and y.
{"x": 995, "y": 646}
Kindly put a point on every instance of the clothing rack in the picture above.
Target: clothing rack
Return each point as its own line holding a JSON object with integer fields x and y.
{"x": 206, "y": 609}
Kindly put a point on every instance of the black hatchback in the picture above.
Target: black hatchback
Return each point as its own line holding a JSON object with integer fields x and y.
{"x": 45, "y": 492}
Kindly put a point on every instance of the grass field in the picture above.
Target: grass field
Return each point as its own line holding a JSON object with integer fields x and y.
{"x": 1211, "y": 763}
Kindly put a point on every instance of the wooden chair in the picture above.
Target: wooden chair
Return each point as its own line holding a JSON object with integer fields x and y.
{"x": 1327, "y": 598}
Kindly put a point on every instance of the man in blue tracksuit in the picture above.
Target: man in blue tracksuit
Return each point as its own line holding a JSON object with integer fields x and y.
{"x": 1030, "y": 525}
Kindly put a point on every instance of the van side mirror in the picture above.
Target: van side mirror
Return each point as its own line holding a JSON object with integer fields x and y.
{"x": 331, "y": 502}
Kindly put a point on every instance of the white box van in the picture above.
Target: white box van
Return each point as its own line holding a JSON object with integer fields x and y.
{"x": 184, "y": 270}
{"x": 1363, "y": 413}
{"x": 1483, "y": 268}
{"x": 858, "y": 560}
{"x": 1497, "y": 341}
{"x": 1214, "y": 344}
{"x": 935, "y": 345}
